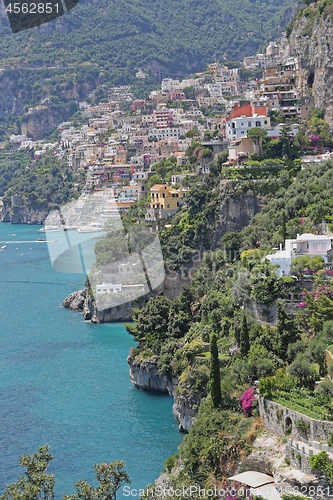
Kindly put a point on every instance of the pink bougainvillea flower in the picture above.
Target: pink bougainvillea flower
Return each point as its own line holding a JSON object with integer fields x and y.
{"x": 246, "y": 400}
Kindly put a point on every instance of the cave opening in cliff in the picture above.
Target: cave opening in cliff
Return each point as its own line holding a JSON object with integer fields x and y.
{"x": 310, "y": 80}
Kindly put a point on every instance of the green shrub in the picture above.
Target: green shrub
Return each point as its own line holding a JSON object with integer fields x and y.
{"x": 279, "y": 413}
{"x": 322, "y": 462}
{"x": 303, "y": 426}
{"x": 171, "y": 462}
{"x": 330, "y": 440}
{"x": 266, "y": 386}
{"x": 288, "y": 429}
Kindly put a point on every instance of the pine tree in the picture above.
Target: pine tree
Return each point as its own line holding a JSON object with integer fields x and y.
{"x": 286, "y": 332}
{"x": 283, "y": 228}
{"x": 214, "y": 376}
{"x": 244, "y": 338}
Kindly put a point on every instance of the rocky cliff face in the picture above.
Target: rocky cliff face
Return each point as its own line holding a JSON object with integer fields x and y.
{"x": 145, "y": 376}
{"x": 24, "y": 214}
{"x": 81, "y": 301}
{"x": 10, "y": 100}
{"x": 40, "y": 124}
{"x": 235, "y": 212}
{"x": 311, "y": 40}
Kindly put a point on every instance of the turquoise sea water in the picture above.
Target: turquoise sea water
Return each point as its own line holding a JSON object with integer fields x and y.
{"x": 65, "y": 382}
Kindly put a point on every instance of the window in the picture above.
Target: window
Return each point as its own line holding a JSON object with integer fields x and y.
{"x": 249, "y": 124}
{"x": 258, "y": 124}
{"x": 168, "y": 206}
{"x": 265, "y": 122}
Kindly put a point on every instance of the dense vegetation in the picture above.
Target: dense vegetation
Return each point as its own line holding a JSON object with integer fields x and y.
{"x": 305, "y": 203}
{"x": 41, "y": 181}
{"x": 311, "y": 12}
{"x": 179, "y": 36}
{"x": 287, "y": 358}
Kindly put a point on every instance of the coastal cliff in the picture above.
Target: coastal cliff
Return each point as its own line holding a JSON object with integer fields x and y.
{"x": 81, "y": 301}
{"x": 144, "y": 375}
{"x": 311, "y": 41}
{"x": 27, "y": 214}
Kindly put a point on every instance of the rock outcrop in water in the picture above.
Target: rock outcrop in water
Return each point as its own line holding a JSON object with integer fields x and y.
{"x": 81, "y": 301}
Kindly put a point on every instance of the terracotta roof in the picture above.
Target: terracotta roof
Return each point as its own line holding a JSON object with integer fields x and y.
{"x": 159, "y": 186}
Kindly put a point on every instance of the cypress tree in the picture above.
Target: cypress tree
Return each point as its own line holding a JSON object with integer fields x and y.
{"x": 244, "y": 338}
{"x": 283, "y": 227}
{"x": 214, "y": 376}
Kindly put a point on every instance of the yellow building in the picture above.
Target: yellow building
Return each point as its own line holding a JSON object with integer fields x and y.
{"x": 120, "y": 158}
{"x": 165, "y": 201}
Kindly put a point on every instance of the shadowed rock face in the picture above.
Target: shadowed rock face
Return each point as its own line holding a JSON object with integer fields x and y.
{"x": 313, "y": 46}
{"x": 235, "y": 213}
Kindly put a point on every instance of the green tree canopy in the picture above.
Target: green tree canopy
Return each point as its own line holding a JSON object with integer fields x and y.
{"x": 36, "y": 484}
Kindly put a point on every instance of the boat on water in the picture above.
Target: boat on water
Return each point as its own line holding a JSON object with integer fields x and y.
{"x": 40, "y": 239}
{"x": 94, "y": 227}
{"x": 49, "y": 229}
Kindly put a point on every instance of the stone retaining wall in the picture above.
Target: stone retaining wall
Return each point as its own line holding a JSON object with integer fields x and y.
{"x": 298, "y": 456}
{"x": 277, "y": 418}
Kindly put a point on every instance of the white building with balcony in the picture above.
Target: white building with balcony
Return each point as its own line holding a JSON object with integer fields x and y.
{"x": 238, "y": 127}
{"x": 168, "y": 85}
{"x": 305, "y": 244}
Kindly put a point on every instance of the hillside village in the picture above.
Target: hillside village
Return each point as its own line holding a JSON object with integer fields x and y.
{"x": 151, "y": 150}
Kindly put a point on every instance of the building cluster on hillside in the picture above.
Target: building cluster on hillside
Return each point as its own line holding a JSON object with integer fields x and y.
{"x": 124, "y": 138}
{"x": 275, "y": 52}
